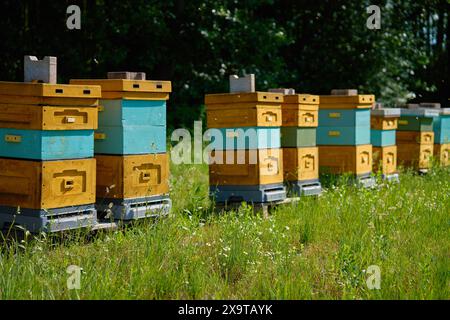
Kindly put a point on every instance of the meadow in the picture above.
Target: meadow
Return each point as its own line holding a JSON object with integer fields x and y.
{"x": 317, "y": 248}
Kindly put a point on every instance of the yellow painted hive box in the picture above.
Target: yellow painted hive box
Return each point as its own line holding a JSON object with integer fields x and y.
{"x": 301, "y": 164}
{"x": 132, "y": 176}
{"x": 385, "y": 159}
{"x": 442, "y": 154}
{"x": 49, "y": 94}
{"x": 300, "y": 110}
{"x": 255, "y": 109}
{"x": 31, "y": 117}
{"x": 246, "y": 167}
{"x": 347, "y": 102}
{"x": 47, "y": 184}
{"x": 415, "y": 155}
{"x": 129, "y": 89}
{"x": 418, "y": 137}
{"x": 346, "y": 159}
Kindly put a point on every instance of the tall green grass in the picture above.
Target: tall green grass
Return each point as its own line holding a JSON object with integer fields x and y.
{"x": 313, "y": 249}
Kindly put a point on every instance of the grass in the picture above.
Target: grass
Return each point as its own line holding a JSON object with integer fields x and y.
{"x": 315, "y": 249}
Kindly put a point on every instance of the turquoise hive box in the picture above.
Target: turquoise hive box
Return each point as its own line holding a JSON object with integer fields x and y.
{"x": 343, "y": 136}
{"x": 129, "y": 140}
{"x": 344, "y": 118}
{"x": 383, "y": 138}
{"x": 46, "y": 145}
{"x": 244, "y": 138}
{"x": 441, "y": 127}
{"x": 132, "y": 112}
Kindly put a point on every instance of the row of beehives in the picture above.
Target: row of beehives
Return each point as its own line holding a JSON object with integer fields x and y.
{"x": 299, "y": 136}
{"x": 72, "y": 155}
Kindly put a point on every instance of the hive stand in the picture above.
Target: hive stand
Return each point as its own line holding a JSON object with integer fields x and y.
{"x": 52, "y": 220}
{"x": 134, "y": 209}
{"x": 385, "y": 120}
{"x": 258, "y": 208}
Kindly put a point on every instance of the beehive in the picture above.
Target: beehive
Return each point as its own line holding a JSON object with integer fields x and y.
{"x": 130, "y": 145}
{"x": 300, "y": 114}
{"x": 47, "y": 170}
{"x": 415, "y": 137}
{"x": 246, "y": 162}
{"x": 384, "y": 122}
{"x": 344, "y": 135}
{"x": 441, "y": 128}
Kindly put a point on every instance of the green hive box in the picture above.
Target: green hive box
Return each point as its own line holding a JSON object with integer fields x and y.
{"x": 419, "y": 119}
{"x": 295, "y": 137}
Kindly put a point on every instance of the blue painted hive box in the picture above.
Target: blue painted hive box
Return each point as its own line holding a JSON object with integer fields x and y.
{"x": 46, "y": 145}
{"x": 123, "y": 140}
{"x": 343, "y": 136}
{"x": 441, "y": 127}
{"x": 344, "y": 118}
{"x": 383, "y": 138}
{"x": 132, "y": 112}
{"x": 245, "y": 138}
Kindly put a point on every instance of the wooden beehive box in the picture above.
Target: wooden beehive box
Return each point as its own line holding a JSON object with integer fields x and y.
{"x": 129, "y": 89}
{"x": 344, "y": 120}
{"x": 244, "y": 138}
{"x": 417, "y": 119}
{"x": 385, "y": 159}
{"x": 46, "y": 145}
{"x": 130, "y": 140}
{"x": 48, "y": 184}
{"x": 346, "y": 159}
{"x": 301, "y": 164}
{"x": 298, "y": 137}
{"x": 246, "y": 167}
{"x": 415, "y": 155}
{"x": 135, "y": 176}
{"x": 49, "y": 94}
{"x": 300, "y": 110}
{"x": 346, "y": 101}
{"x": 442, "y": 153}
{"x": 384, "y": 118}
{"x": 31, "y": 117}
{"x": 441, "y": 127}
{"x": 411, "y": 137}
{"x": 383, "y": 138}
{"x": 253, "y": 109}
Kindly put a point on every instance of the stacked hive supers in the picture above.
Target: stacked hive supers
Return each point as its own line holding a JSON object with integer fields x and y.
{"x": 384, "y": 122}
{"x": 415, "y": 137}
{"x": 47, "y": 169}
{"x": 441, "y": 128}
{"x": 248, "y": 127}
{"x": 300, "y": 113}
{"x": 343, "y": 136}
{"x": 130, "y": 148}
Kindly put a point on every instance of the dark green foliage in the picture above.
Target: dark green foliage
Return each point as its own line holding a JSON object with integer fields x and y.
{"x": 313, "y": 46}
